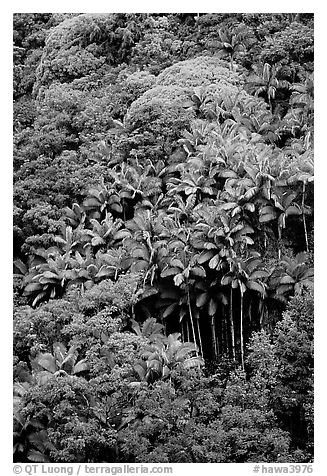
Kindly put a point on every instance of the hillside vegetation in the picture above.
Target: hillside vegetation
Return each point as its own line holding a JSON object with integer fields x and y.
{"x": 163, "y": 238}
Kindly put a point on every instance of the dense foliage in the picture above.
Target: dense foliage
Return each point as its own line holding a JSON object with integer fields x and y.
{"x": 163, "y": 237}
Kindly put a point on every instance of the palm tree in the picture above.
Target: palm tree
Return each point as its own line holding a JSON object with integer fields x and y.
{"x": 262, "y": 122}
{"x": 159, "y": 358}
{"x": 185, "y": 270}
{"x": 245, "y": 274}
{"x": 232, "y": 41}
{"x": 291, "y": 277}
{"x": 303, "y": 174}
{"x": 48, "y": 280}
{"x": 108, "y": 233}
{"x": 281, "y": 206}
{"x": 150, "y": 329}
{"x": 265, "y": 82}
{"x": 75, "y": 216}
{"x": 209, "y": 298}
{"x": 101, "y": 200}
{"x": 193, "y": 185}
{"x": 61, "y": 362}
{"x": 220, "y": 235}
{"x": 303, "y": 93}
{"x": 299, "y": 120}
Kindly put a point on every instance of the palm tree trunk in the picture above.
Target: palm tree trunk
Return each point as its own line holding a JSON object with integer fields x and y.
{"x": 262, "y": 312}
{"x": 241, "y": 332}
{"x": 218, "y": 343}
{"x": 199, "y": 334}
{"x": 231, "y": 323}
{"x": 213, "y": 335}
{"x": 304, "y": 219}
{"x": 270, "y": 103}
{"x": 231, "y": 62}
{"x": 279, "y": 242}
{"x": 225, "y": 333}
{"x": 188, "y": 335}
{"x": 191, "y": 318}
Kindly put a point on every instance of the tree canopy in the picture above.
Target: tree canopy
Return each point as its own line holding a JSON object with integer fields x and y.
{"x": 163, "y": 238}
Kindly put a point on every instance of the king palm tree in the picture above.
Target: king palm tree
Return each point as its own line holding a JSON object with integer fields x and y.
{"x": 244, "y": 274}
{"x": 232, "y": 41}
{"x": 265, "y": 83}
{"x": 281, "y": 206}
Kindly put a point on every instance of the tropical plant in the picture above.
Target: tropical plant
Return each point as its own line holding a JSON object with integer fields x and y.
{"x": 292, "y": 276}
{"x": 232, "y": 41}
{"x": 31, "y": 441}
{"x": 265, "y": 82}
{"x": 62, "y": 362}
{"x": 160, "y": 358}
{"x": 244, "y": 274}
{"x": 281, "y": 206}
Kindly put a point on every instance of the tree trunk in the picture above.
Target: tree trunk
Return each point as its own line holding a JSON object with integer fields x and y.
{"x": 231, "y": 322}
{"x": 231, "y": 62}
{"x": 279, "y": 242}
{"x": 225, "y": 330}
{"x": 304, "y": 219}
{"x": 241, "y": 332}
{"x": 199, "y": 333}
{"x": 191, "y": 319}
{"x": 213, "y": 336}
{"x": 188, "y": 334}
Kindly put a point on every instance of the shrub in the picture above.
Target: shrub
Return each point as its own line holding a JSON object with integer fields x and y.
{"x": 37, "y": 329}
{"x": 64, "y": 404}
{"x": 200, "y": 71}
{"x": 156, "y": 119}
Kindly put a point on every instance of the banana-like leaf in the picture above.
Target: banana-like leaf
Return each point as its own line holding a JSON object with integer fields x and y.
{"x": 37, "y": 456}
{"x": 198, "y": 271}
{"x": 202, "y": 299}
{"x": 169, "y": 272}
{"x": 39, "y": 298}
{"x": 178, "y": 279}
{"x": 169, "y": 310}
{"x": 48, "y": 362}
{"x": 81, "y": 366}
{"x": 254, "y": 286}
{"x": 287, "y": 280}
{"x": 32, "y": 287}
{"x": 205, "y": 256}
{"x": 259, "y": 274}
{"x": 293, "y": 210}
{"x": 212, "y": 308}
{"x": 175, "y": 262}
{"x": 214, "y": 262}
{"x": 226, "y": 280}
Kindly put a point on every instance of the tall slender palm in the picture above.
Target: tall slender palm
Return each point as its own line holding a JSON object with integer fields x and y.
{"x": 281, "y": 206}
{"x": 232, "y": 41}
{"x": 265, "y": 83}
{"x": 244, "y": 274}
{"x": 291, "y": 277}
{"x": 211, "y": 300}
{"x": 185, "y": 269}
{"x": 303, "y": 174}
